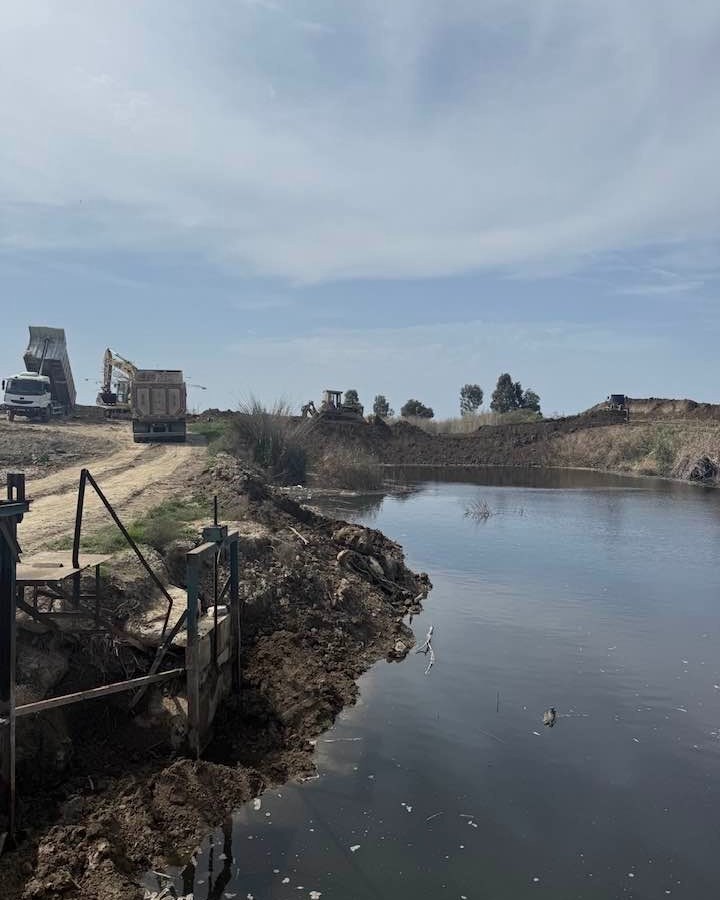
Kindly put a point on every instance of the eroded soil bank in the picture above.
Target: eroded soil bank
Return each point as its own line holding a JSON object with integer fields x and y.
{"x": 104, "y": 797}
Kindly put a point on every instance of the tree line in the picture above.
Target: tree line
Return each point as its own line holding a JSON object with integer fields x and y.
{"x": 508, "y": 396}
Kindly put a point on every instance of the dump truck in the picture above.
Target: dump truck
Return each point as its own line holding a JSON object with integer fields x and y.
{"x": 158, "y": 399}
{"x": 46, "y": 387}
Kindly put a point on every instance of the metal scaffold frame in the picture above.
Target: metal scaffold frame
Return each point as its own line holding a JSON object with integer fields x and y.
{"x": 218, "y": 546}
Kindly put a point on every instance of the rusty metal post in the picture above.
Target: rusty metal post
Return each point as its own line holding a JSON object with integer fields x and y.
{"x": 11, "y": 513}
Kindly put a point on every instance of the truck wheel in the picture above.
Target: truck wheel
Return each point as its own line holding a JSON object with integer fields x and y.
{"x": 11, "y": 415}
{"x": 47, "y": 415}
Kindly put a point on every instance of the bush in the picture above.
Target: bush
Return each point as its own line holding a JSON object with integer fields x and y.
{"x": 351, "y": 469}
{"x": 272, "y": 440}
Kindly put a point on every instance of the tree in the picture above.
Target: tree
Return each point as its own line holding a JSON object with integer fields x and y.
{"x": 504, "y": 396}
{"x": 509, "y": 395}
{"x": 471, "y": 398}
{"x": 351, "y": 398}
{"x": 381, "y": 407}
{"x": 414, "y": 408}
{"x": 531, "y": 401}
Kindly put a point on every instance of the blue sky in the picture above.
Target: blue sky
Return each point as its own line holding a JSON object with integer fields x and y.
{"x": 399, "y": 197}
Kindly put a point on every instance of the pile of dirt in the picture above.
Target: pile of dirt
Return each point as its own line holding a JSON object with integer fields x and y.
{"x": 38, "y": 449}
{"x": 323, "y": 600}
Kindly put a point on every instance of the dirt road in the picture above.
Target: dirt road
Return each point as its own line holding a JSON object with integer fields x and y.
{"x": 134, "y": 477}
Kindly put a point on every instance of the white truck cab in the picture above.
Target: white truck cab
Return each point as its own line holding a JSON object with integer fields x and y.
{"x": 28, "y": 394}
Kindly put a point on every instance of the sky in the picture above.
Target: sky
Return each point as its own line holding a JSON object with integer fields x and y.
{"x": 282, "y": 196}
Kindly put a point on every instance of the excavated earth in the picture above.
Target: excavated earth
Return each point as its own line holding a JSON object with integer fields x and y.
{"x": 104, "y": 797}
{"x": 39, "y": 449}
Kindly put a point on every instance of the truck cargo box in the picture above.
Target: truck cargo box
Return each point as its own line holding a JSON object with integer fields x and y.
{"x": 159, "y": 405}
{"x": 50, "y": 343}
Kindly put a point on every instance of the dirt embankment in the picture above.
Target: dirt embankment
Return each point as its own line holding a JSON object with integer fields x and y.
{"x": 686, "y": 448}
{"x": 323, "y": 601}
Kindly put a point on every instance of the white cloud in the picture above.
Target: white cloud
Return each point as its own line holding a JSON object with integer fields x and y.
{"x": 412, "y": 138}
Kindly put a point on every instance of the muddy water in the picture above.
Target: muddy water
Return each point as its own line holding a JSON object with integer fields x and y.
{"x": 598, "y": 596}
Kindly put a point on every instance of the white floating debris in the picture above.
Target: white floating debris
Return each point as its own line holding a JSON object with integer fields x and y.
{"x": 407, "y": 807}
{"x": 250, "y": 897}
{"x": 536, "y": 879}
{"x": 267, "y": 814}
{"x": 257, "y": 803}
{"x": 315, "y": 895}
{"x": 355, "y": 848}
{"x": 276, "y": 871}
{"x": 229, "y": 896}
{"x": 286, "y": 880}
{"x": 636, "y": 741}
{"x": 631, "y": 874}
{"x": 537, "y": 733}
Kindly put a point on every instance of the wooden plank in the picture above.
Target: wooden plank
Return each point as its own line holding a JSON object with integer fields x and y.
{"x": 117, "y": 687}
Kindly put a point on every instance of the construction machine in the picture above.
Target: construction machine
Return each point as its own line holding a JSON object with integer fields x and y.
{"x": 156, "y": 399}
{"x": 119, "y": 399}
{"x": 333, "y": 407}
{"x": 46, "y": 388}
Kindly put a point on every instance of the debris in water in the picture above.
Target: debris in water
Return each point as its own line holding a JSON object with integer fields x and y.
{"x": 549, "y": 717}
{"x": 286, "y": 880}
{"x": 257, "y": 803}
{"x": 405, "y": 806}
{"x": 355, "y": 848}
{"x": 537, "y": 733}
{"x": 315, "y": 895}
{"x": 427, "y": 648}
{"x": 636, "y": 741}
{"x": 433, "y": 816}
{"x": 536, "y": 879}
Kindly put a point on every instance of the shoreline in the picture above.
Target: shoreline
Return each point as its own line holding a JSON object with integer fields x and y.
{"x": 318, "y": 615}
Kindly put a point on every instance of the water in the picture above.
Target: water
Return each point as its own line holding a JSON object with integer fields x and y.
{"x": 597, "y": 595}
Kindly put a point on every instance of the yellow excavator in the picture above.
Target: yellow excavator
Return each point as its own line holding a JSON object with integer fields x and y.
{"x": 119, "y": 399}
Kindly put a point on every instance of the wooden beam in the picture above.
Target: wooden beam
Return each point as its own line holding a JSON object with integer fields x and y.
{"x": 28, "y": 709}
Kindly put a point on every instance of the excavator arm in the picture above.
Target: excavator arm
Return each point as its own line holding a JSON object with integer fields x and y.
{"x": 112, "y": 361}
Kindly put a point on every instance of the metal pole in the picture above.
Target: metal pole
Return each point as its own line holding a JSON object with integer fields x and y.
{"x": 11, "y": 512}
{"x": 7, "y": 681}
{"x": 235, "y": 609}
{"x": 78, "y": 519}
{"x": 191, "y": 655}
{"x": 133, "y": 545}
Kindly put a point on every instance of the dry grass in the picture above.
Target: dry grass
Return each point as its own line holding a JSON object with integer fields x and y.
{"x": 478, "y": 510}
{"x": 349, "y": 468}
{"x": 642, "y": 449}
{"x": 470, "y": 423}
{"x": 271, "y": 439}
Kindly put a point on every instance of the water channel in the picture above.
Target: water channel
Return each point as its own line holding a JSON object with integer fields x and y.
{"x": 596, "y": 595}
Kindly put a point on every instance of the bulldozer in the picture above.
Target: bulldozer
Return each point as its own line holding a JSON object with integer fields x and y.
{"x": 334, "y": 408}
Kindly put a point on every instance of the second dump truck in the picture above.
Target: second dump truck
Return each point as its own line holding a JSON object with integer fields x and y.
{"x": 155, "y": 398}
{"x": 158, "y": 401}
